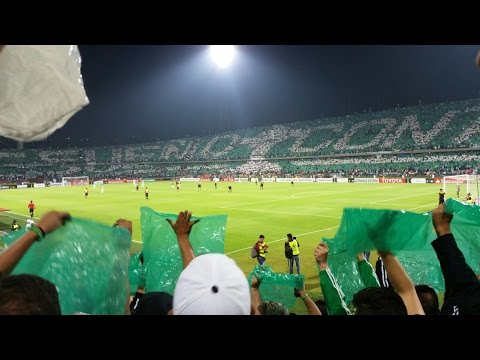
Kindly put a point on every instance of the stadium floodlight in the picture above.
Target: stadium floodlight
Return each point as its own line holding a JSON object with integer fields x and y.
{"x": 222, "y": 55}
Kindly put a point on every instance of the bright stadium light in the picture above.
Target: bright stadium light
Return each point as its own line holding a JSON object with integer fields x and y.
{"x": 222, "y": 55}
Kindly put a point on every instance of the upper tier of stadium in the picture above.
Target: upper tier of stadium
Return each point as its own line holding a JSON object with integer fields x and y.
{"x": 443, "y": 128}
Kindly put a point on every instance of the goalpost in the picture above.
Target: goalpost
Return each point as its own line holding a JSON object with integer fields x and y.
{"x": 469, "y": 181}
{"x": 75, "y": 180}
{"x": 98, "y": 182}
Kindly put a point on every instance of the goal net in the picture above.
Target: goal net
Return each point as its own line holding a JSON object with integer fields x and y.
{"x": 75, "y": 180}
{"x": 468, "y": 184}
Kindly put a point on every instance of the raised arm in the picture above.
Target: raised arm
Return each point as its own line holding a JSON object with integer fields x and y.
{"x": 312, "y": 308}
{"x": 367, "y": 273}
{"x": 332, "y": 293}
{"x": 127, "y": 224}
{"x": 461, "y": 284}
{"x": 255, "y": 294}
{"x": 10, "y": 257}
{"x": 402, "y": 283}
{"x": 182, "y": 228}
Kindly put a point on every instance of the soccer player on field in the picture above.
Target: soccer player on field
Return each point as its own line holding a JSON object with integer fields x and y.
{"x": 31, "y": 208}
{"x": 441, "y": 196}
{"x": 86, "y": 193}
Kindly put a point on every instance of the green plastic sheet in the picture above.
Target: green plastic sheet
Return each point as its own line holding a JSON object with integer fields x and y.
{"x": 277, "y": 287}
{"x": 87, "y": 262}
{"x": 345, "y": 269}
{"x": 162, "y": 257}
{"x": 466, "y": 230}
{"x": 136, "y": 273}
{"x": 408, "y": 236}
{"x": 394, "y": 230}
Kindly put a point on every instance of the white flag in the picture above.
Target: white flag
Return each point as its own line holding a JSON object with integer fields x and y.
{"x": 41, "y": 88}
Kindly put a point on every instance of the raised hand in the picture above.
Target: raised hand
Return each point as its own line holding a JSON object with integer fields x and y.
{"x": 321, "y": 255}
{"x": 52, "y": 220}
{"x": 183, "y": 225}
{"x": 124, "y": 223}
{"x": 441, "y": 221}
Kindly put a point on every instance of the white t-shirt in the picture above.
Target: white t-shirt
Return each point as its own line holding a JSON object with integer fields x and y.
{"x": 30, "y": 222}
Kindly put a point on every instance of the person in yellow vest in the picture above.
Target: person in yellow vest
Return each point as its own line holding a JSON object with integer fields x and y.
{"x": 296, "y": 254}
{"x": 262, "y": 249}
{"x": 15, "y": 226}
{"x": 468, "y": 199}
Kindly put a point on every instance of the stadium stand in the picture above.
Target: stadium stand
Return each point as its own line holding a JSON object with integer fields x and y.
{"x": 438, "y": 138}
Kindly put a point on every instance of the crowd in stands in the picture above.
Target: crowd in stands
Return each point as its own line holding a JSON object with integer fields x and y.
{"x": 418, "y": 164}
{"x": 385, "y": 142}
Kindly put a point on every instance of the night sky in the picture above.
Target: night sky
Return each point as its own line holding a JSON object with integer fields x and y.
{"x": 144, "y": 93}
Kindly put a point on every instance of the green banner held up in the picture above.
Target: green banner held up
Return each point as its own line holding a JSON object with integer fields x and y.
{"x": 163, "y": 261}
{"x": 87, "y": 262}
{"x": 408, "y": 235}
{"x": 277, "y": 287}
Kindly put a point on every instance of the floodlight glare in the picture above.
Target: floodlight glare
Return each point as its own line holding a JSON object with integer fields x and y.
{"x": 222, "y": 55}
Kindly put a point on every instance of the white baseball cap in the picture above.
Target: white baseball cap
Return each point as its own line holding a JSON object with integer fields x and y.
{"x": 212, "y": 284}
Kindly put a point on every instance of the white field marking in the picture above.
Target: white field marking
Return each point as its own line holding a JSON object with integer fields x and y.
{"x": 418, "y": 207}
{"x": 311, "y": 232}
{"x": 316, "y": 192}
{"x": 11, "y": 212}
{"x": 287, "y": 198}
{"x": 274, "y": 241}
{"x": 403, "y": 197}
{"x": 297, "y": 195}
{"x": 288, "y": 213}
{"x": 392, "y": 205}
{"x": 27, "y": 216}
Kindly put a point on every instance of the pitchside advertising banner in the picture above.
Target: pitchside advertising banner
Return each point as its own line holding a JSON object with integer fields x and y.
{"x": 393, "y": 180}
{"x": 417, "y": 181}
{"x": 438, "y": 180}
{"x": 189, "y": 179}
{"x": 324, "y": 180}
{"x": 303, "y": 180}
{"x": 342, "y": 180}
{"x": 366, "y": 180}
{"x": 116, "y": 181}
